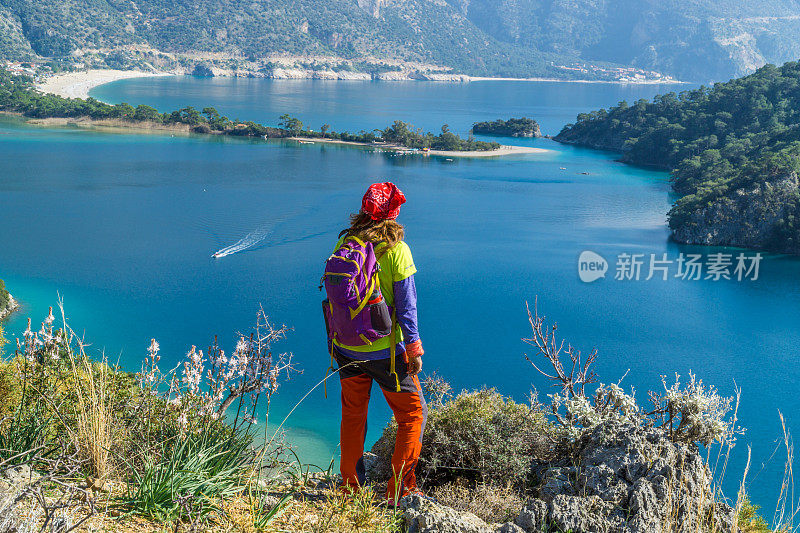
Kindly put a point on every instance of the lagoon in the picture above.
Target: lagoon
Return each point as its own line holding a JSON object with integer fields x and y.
{"x": 123, "y": 226}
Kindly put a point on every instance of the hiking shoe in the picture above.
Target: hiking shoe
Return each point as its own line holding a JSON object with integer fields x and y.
{"x": 411, "y": 492}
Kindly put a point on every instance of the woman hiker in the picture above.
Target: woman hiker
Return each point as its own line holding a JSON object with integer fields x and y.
{"x": 361, "y": 363}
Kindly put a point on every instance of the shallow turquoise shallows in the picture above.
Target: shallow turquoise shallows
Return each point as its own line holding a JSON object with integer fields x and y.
{"x": 123, "y": 226}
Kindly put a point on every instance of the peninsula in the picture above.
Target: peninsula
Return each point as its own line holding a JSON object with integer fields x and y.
{"x": 733, "y": 150}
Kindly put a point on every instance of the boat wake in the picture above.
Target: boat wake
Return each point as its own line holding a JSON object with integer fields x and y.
{"x": 257, "y": 237}
{"x": 246, "y": 242}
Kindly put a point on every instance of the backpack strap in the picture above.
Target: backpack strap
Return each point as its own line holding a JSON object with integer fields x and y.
{"x": 367, "y": 296}
{"x": 393, "y": 352}
{"x": 331, "y": 368}
{"x": 384, "y": 249}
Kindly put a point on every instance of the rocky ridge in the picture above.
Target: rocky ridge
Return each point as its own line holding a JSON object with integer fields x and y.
{"x": 622, "y": 478}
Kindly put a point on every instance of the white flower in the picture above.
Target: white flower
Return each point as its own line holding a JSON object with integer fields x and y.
{"x": 153, "y": 348}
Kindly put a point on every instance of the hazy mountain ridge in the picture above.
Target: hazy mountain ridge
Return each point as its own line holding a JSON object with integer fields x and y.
{"x": 698, "y": 40}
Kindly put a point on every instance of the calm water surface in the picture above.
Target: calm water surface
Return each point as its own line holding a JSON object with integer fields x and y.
{"x": 123, "y": 227}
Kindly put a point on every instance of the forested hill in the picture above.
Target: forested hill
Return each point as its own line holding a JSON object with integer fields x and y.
{"x": 734, "y": 152}
{"x": 698, "y": 40}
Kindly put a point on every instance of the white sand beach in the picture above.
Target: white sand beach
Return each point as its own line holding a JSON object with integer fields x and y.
{"x": 78, "y": 84}
{"x": 503, "y": 150}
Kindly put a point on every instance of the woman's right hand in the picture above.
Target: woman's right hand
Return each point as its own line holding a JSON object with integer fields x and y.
{"x": 414, "y": 365}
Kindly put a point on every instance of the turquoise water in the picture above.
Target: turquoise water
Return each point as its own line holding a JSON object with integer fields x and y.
{"x": 123, "y": 227}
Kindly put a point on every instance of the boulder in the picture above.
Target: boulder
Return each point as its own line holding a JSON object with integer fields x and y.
{"x": 628, "y": 478}
{"x": 422, "y": 515}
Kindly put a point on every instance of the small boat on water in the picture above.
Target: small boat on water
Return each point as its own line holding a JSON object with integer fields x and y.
{"x": 306, "y": 142}
{"x": 216, "y": 255}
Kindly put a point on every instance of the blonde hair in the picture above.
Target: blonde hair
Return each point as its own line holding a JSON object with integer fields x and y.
{"x": 375, "y": 231}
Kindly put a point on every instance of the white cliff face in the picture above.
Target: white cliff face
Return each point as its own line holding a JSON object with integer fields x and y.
{"x": 373, "y": 7}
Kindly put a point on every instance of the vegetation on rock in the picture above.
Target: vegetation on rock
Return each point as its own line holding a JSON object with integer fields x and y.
{"x": 5, "y": 297}
{"x": 475, "y": 437}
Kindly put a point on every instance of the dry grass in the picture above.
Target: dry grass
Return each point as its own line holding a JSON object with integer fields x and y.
{"x": 334, "y": 512}
{"x": 93, "y": 434}
{"x": 492, "y": 504}
{"x": 328, "y": 512}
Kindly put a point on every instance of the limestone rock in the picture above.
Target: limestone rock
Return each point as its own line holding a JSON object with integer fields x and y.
{"x": 421, "y": 515}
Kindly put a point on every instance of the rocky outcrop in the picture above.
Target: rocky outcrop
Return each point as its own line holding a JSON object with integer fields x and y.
{"x": 299, "y": 73}
{"x": 620, "y": 479}
{"x": 13, "y": 481}
{"x": 373, "y": 7}
{"x": 9, "y": 308}
{"x": 422, "y": 515}
{"x": 287, "y": 73}
{"x": 629, "y": 479}
{"x": 747, "y": 217}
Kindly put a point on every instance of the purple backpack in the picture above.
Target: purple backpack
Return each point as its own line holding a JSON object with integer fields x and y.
{"x": 356, "y": 313}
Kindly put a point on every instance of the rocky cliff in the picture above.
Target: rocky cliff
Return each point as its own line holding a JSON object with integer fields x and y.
{"x": 759, "y": 216}
{"x": 7, "y": 302}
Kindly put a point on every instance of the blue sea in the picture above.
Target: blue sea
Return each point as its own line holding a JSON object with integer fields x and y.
{"x": 122, "y": 226}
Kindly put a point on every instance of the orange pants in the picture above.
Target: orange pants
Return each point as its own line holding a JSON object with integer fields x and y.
{"x": 410, "y": 411}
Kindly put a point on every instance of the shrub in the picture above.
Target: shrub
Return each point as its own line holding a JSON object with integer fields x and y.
{"x": 480, "y": 436}
{"x": 191, "y": 474}
{"x": 690, "y": 413}
{"x": 749, "y": 521}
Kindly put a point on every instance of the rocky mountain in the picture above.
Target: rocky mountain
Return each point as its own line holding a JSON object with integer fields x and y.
{"x": 693, "y": 40}
{"x": 699, "y": 40}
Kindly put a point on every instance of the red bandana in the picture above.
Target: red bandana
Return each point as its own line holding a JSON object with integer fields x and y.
{"x": 382, "y": 201}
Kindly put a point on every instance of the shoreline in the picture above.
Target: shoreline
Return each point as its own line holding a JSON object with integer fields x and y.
{"x": 79, "y": 84}
{"x": 556, "y": 80}
{"x": 502, "y": 151}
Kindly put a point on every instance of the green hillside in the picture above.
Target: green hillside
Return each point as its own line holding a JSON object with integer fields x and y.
{"x": 405, "y": 30}
{"x": 734, "y": 150}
